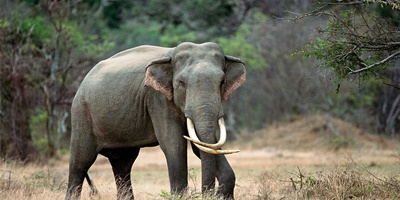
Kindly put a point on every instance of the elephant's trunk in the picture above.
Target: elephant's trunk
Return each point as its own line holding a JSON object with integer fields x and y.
{"x": 203, "y": 129}
{"x": 205, "y": 109}
{"x": 202, "y": 132}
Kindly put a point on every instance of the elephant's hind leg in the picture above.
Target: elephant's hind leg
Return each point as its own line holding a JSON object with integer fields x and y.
{"x": 77, "y": 173}
{"x": 83, "y": 154}
{"x": 121, "y": 160}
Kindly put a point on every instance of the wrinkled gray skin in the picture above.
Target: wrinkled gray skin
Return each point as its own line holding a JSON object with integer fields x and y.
{"x": 141, "y": 97}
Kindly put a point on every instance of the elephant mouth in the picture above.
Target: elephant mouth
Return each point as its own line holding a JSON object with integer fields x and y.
{"x": 206, "y": 147}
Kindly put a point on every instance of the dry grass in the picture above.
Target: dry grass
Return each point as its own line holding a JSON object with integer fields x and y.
{"x": 30, "y": 182}
{"x": 346, "y": 181}
{"x": 340, "y": 182}
{"x": 275, "y": 166}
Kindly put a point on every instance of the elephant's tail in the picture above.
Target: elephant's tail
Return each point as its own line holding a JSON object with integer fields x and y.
{"x": 92, "y": 187}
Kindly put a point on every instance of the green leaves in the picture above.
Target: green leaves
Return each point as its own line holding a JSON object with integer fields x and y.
{"x": 238, "y": 45}
{"x": 177, "y": 34}
{"x": 354, "y": 42}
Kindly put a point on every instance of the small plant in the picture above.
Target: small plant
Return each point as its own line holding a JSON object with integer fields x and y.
{"x": 301, "y": 180}
{"x": 5, "y": 180}
{"x": 264, "y": 186}
{"x": 192, "y": 196}
{"x": 167, "y": 195}
{"x": 42, "y": 179}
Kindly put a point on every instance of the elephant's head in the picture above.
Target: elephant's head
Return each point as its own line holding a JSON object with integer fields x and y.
{"x": 197, "y": 77}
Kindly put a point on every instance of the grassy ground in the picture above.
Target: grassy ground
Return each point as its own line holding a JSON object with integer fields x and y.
{"x": 335, "y": 161}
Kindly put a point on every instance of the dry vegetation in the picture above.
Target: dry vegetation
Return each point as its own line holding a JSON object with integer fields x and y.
{"x": 317, "y": 157}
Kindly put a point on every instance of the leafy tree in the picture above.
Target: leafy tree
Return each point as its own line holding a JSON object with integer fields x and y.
{"x": 175, "y": 35}
{"x": 15, "y": 91}
{"x": 43, "y": 54}
{"x": 239, "y": 45}
{"x": 109, "y": 11}
{"x": 361, "y": 41}
{"x": 211, "y": 17}
{"x": 357, "y": 40}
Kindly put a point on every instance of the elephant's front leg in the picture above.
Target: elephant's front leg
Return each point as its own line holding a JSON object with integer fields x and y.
{"x": 208, "y": 173}
{"x": 226, "y": 178}
{"x": 175, "y": 150}
{"x": 178, "y": 172}
{"x": 169, "y": 129}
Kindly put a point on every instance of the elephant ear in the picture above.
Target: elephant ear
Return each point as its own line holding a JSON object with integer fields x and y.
{"x": 235, "y": 75}
{"x": 159, "y": 76}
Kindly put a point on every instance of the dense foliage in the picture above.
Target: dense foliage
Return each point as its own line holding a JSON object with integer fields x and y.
{"x": 357, "y": 41}
{"x": 43, "y": 54}
{"x": 362, "y": 42}
{"x": 47, "y": 47}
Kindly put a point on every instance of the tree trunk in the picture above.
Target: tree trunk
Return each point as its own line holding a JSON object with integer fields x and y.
{"x": 389, "y": 108}
{"x": 50, "y": 122}
{"x": 15, "y": 133}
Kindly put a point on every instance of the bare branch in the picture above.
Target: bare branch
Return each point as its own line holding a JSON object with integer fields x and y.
{"x": 367, "y": 67}
{"x": 395, "y": 4}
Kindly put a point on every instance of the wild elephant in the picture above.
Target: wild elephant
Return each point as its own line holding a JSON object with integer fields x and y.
{"x": 148, "y": 96}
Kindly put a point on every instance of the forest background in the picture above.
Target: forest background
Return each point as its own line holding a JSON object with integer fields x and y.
{"x": 303, "y": 57}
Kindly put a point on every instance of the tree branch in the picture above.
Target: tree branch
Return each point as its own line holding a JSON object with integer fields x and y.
{"x": 395, "y": 4}
{"x": 367, "y": 67}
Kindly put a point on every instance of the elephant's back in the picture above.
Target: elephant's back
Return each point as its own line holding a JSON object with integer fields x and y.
{"x": 120, "y": 75}
{"x": 131, "y": 60}
{"x": 124, "y": 68}
{"x": 114, "y": 96}
{"x": 141, "y": 51}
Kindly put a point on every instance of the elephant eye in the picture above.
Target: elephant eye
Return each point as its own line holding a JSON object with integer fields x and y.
{"x": 182, "y": 84}
{"x": 222, "y": 82}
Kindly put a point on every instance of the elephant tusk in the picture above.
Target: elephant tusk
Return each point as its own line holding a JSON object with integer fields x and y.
{"x": 215, "y": 151}
{"x": 196, "y": 140}
{"x": 209, "y": 148}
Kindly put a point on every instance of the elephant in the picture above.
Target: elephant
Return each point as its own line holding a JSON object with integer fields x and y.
{"x": 148, "y": 96}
